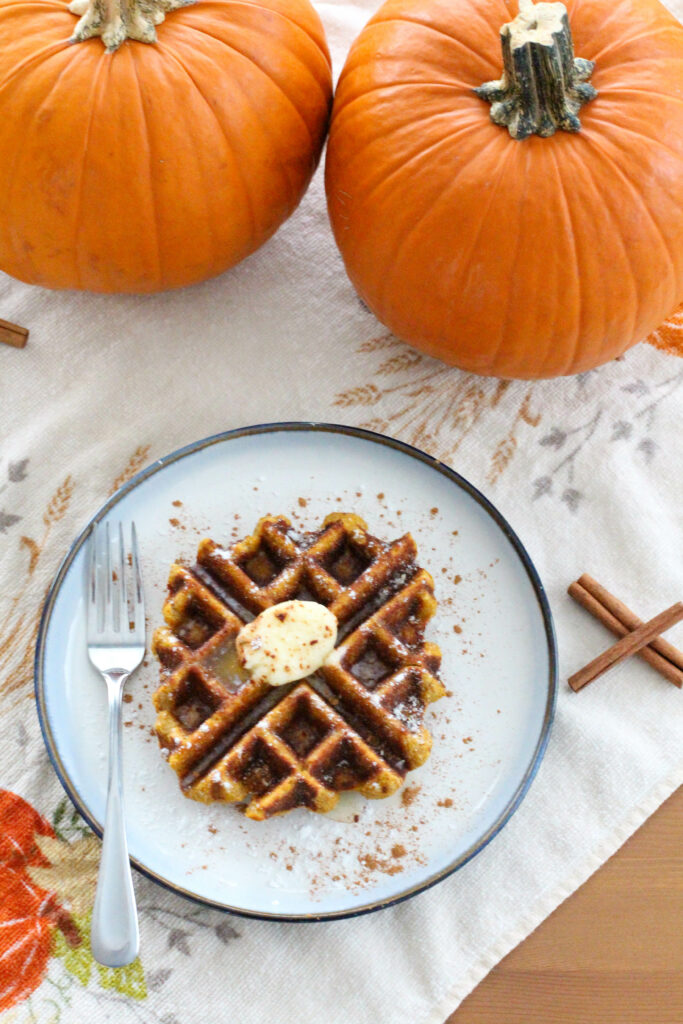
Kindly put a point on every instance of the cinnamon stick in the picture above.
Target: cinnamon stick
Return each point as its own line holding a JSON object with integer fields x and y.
{"x": 13, "y": 334}
{"x": 628, "y": 645}
{"x": 604, "y": 614}
{"x": 629, "y": 619}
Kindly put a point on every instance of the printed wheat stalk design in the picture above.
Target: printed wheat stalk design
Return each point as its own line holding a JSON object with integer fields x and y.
{"x": 439, "y": 405}
{"x": 17, "y": 639}
{"x": 59, "y": 503}
{"x": 375, "y": 344}
{"x": 505, "y": 449}
{"x": 135, "y": 463}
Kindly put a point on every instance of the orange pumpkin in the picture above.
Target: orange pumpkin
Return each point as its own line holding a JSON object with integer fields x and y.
{"x": 154, "y": 166}
{"x": 545, "y": 243}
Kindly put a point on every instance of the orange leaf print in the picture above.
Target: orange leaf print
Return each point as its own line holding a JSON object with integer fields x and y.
{"x": 25, "y": 928}
{"x": 19, "y": 825}
{"x": 27, "y": 912}
{"x": 669, "y": 336}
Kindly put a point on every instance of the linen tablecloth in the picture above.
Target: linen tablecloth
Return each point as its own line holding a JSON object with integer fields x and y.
{"x": 587, "y": 470}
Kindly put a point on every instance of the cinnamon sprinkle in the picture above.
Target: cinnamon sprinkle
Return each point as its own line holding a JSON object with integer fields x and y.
{"x": 408, "y": 794}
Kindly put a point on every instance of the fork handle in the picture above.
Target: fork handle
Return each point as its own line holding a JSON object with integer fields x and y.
{"x": 114, "y": 936}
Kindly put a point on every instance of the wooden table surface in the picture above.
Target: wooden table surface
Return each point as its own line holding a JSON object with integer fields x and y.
{"x": 611, "y": 954}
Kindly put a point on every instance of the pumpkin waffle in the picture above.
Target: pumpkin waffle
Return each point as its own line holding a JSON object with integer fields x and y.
{"x": 356, "y": 723}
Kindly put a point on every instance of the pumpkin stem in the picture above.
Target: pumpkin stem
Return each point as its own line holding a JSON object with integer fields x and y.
{"x": 118, "y": 20}
{"x": 543, "y": 85}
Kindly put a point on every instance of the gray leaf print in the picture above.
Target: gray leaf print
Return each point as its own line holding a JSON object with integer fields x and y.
{"x": 155, "y": 979}
{"x": 542, "y": 486}
{"x": 637, "y": 387}
{"x": 225, "y": 932}
{"x": 621, "y": 430}
{"x": 178, "y": 938}
{"x": 169, "y": 1018}
{"x": 555, "y": 439}
{"x": 7, "y": 519}
{"x": 571, "y": 498}
{"x": 16, "y": 471}
{"x": 648, "y": 447}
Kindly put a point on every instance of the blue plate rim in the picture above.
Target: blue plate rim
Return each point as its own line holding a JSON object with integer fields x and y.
{"x": 314, "y": 426}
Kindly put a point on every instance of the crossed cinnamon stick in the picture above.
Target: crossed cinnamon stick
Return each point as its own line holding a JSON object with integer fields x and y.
{"x": 637, "y": 637}
{"x": 13, "y": 334}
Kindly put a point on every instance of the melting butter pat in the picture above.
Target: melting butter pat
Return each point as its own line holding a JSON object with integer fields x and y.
{"x": 287, "y": 642}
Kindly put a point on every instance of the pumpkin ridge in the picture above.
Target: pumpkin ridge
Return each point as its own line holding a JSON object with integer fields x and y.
{"x": 245, "y": 185}
{"x": 454, "y": 84}
{"x": 263, "y": 71}
{"x": 612, "y": 20}
{"x": 462, "y": 92}
{"x": 19, "y": 149}
{"x": 580, "y": 304}
{"x": 36, "y": 58}
{"x": 54, "y": 6}
{"x": 282, "y": 167}
{"x": 624, "y": 129}
{"x": 625, "y": 90}
{"x": 150, "y": 176}
{"x": 618, "y": 239}
{"x": 457, "y": 43}
{"x": 418, "y": 223}
{"x": 83, "y": 163}
{"x": 445, "y": 112}
{"x": 605, "y": 323}
{"x": 410, "y": 17}
{"x": 651, "y": 32}
{"x": 239, "y": 173}
{"x": 579, "y": 317}
{"x": 599, "y": 146}
{"x": 604, "y": 72}
{"x": 500, "y": 342}
{"x": 405, "y": 163}
{"x": 222, "y": 4}
{"x": 465, "y": 263}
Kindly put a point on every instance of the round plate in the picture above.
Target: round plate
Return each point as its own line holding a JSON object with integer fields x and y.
{"x": 499, "y": 665}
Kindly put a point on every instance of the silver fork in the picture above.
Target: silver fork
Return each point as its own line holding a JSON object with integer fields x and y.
{"x": 116, "y": 646}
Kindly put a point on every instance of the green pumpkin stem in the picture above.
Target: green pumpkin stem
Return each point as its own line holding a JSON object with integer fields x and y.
{"x": 543, "y": 85}
{"x": 118, "y": 20}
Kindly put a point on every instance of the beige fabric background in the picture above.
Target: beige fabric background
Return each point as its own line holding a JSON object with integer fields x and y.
{"x": 588, "y": 471}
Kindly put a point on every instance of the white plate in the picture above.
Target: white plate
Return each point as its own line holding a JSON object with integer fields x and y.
{"x": 499, "y": 662}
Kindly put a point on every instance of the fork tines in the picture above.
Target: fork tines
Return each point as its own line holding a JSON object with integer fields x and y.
{"x": 115, "y": 595}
